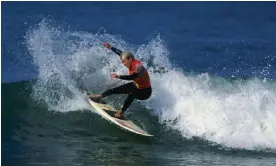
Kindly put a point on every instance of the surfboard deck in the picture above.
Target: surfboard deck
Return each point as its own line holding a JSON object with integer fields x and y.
{"x": 107, "y": 112}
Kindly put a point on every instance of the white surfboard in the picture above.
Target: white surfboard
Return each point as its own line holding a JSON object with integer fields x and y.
{"x": 107, "y": 112}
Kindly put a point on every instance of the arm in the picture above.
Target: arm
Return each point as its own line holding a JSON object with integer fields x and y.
{"x": 117, "y": 51}
{"x": 128, "y": 77}
{"x": 138, "y": 71}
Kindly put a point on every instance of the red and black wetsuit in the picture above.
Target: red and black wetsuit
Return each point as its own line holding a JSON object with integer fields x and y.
{"x": 139, "y": 89}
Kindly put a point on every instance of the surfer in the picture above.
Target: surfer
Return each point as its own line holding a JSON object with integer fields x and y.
{"x": 139, "y": 88}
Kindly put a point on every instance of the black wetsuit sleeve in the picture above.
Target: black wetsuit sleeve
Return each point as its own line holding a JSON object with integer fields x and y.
{"x": 117, "y": 51}
{"x": 129, "y": 77}
{"x": 139, "y": 70}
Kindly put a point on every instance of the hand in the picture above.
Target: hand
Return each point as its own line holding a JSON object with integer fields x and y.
{"x": 107, "y": 45}
{"x": 114, "y": 75}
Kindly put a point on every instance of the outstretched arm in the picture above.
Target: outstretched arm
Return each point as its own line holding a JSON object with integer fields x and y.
{"x": 117, "y": 51}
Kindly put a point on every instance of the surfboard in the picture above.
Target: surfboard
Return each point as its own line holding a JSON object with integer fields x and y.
{"x": 107, "y": 112}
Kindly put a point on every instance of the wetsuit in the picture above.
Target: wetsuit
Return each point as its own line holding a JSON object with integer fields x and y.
{"x": 139, "y": 89}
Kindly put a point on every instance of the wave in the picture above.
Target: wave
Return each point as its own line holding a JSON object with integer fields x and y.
{"x": 232, "y": 113}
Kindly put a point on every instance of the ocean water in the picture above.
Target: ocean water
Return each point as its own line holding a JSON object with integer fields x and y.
{"x": 212, "y": 67}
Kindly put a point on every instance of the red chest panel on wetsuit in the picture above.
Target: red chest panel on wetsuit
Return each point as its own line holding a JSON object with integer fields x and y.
{"x": 143, "y": 80}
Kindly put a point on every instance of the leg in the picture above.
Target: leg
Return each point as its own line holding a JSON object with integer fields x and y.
{"x": 123, "y": 89}
{"x": 127, "y": 103}
{"x": 136, "y": 94}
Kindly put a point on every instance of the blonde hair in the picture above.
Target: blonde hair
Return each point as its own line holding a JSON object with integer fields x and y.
{"x": 127, "y": 55}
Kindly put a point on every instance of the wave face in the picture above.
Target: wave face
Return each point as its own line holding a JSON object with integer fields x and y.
{"x": 235, "y": 113}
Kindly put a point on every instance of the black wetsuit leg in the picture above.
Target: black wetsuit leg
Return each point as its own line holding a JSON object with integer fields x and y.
{"x": 123, "y": 89}
{"x": 134, "y": 93}
{"x": 140, "y": 94}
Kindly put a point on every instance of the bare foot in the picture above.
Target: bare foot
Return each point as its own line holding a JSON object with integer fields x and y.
{"x": 119, "y": 114}
{"x": 95, "y": 97}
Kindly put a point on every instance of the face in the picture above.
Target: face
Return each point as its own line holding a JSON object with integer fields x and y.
{"x": 127, "y": 62}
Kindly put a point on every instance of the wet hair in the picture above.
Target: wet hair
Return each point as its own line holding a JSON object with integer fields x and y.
{"x": 127, "y": 55}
